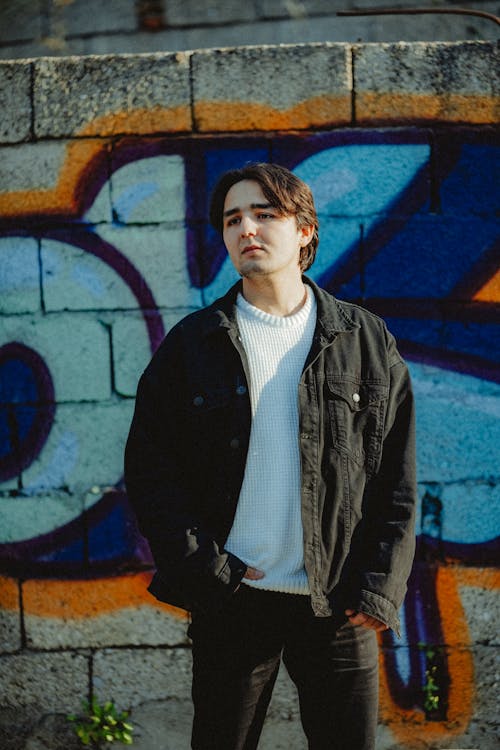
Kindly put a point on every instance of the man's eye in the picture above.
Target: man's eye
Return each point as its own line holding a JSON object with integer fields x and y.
{"x": 266, "y": 216}
{"x": 234, "y": 220}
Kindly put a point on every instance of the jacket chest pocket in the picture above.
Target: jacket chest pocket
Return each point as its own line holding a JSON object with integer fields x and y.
{"x": 356, "y": 411}
{"x": 206, "y": 409}
{"x": 202, "y": 402}
{"x": 214, "y": 415}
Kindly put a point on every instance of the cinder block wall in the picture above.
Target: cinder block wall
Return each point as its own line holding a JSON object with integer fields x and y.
{"x": 106, "y": 165}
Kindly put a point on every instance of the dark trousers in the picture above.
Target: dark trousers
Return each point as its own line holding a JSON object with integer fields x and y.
{"x": 236, "y": 657}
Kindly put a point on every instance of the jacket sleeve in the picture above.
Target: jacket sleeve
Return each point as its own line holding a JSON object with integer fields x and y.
{"x": 390, "y": 504}
{"x": 193, "y": 571}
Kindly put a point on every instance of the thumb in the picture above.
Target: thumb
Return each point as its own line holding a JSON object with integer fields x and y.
{"x": 253, "y": 574}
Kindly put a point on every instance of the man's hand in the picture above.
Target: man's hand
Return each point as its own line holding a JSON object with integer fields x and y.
{"x": 359, "y": 618}
{"x": 253, "y": 574}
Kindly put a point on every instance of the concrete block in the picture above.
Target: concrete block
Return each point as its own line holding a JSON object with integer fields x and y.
{"x": 31, "y": 166}
{"x": 272, "y": 88}
{"x": 483, "y": 730}
{"x": 194, "y": 12}
{"x": 77, "y": 279}
{"x": 132, "y": 348}
{"x": 225, "y": 278}
{"x": 19, "y": 275}
{"x": 420, "y": 83}
{"x": 468, "y": 165}
{"x": 15, "y": 727}
{"x": 340, "y": 241}
{"x": 15, "y": 101}
{"x": 80, "y": 95}
{"x": 91, "y": 17}
{"x": 10, "y": 615}
{"x": 27, "y": 517}
{"x": 482, "y": 609}
{"x": 19, "y": 20}
{"x": 361, "y": 179}
{"x": 55, "y": 732}
{"x": 428, "y": 257}
{"x": 162, "y": 724}
{"x": 131, "y": 352}
{"x": 478, "y": 736}
{"x": 471, "y": 510}
{"x": 74, "y": 348}
{"x": 149, "y": 190}
{"x": 116, "y": 611}
{"x": 84, "y": 448}
{"x": 158, "y": 253}
{"x": 46, "y": 177}
{"x": 44, "y": 682}
{"x": 8, "y": 484}
{"x": 132, "y": 676}
{"x": 457, "y": 431}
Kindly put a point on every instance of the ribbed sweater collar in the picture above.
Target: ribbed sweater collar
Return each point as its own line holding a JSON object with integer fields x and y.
{"x": 296, "y": 320}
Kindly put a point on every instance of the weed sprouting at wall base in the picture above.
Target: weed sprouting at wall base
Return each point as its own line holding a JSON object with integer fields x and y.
{"x": 102, "y": 724}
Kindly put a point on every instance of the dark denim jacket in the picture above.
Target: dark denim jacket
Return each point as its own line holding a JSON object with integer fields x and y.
{"x": 187, "y": 447}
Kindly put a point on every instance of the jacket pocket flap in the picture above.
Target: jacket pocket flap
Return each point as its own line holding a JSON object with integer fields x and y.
{"x": 209, "y": 398}
{"x": 357, "y": 395}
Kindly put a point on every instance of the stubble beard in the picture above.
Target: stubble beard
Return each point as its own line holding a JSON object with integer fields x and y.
{"x": 251, "y": 268}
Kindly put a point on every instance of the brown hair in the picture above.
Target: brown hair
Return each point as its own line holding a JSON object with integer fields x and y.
{"x": 285, "y": 192}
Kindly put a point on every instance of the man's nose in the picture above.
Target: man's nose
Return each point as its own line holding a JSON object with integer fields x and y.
{"x": 248, "y": 227}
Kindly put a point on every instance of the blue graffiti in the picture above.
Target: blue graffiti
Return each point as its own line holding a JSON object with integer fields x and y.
{"x": 410, "y": 242}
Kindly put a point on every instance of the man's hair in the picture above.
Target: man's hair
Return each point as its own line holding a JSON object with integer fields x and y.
{"x": 285, "y": 192}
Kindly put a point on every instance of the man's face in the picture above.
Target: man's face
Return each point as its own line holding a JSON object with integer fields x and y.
{"x": 259, "y": 240}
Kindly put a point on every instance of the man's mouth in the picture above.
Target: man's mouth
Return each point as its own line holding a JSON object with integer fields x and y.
{"x": 250, "y": 248}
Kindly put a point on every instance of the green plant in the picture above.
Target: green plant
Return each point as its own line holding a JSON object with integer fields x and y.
{"x": 102, "y": 724}
{"x": 431, "y": 688}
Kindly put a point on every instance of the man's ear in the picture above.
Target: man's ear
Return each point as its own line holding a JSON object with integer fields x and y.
{"x": 306, "y": 234}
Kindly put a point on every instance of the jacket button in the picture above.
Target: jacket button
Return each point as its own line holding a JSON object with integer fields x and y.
{"x": 235, "y": 443}
{"x": 198, "y": 400}
{"x": 356, "y": 398}
{"x": 241, "y": 390}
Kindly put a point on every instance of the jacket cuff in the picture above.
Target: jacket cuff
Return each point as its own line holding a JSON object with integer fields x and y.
{"x": 382, "y": 609}
{"x": 204, "y": 594}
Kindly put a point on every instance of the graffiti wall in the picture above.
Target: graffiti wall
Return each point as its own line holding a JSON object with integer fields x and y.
{"x": 104, "y": 245}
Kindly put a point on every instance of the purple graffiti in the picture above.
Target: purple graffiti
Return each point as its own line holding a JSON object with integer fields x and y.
{"x": 27, "y": 407}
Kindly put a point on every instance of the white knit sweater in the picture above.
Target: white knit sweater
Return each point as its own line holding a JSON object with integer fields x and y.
{"x": 267, "y": 531}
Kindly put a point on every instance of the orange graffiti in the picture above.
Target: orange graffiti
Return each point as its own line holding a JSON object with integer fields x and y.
{"x": 382, "y": 107}
{"x": 66, "y": 194}
{"x": 9, "y": 594}
{"x": 213, "y": 116}
{"x": 490, "y": 292}
{"x": 82, "y": 153}
{"x": 217, "y": 116}
{"x": 141, "y": 122}
{"x": 408, "y": 724}
{"x": 82, "y": 598}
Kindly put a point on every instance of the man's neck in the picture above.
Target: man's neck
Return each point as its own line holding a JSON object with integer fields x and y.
{"x": 275, "y": 298}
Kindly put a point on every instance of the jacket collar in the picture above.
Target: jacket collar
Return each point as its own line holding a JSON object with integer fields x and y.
{"x": 332, "y": 314}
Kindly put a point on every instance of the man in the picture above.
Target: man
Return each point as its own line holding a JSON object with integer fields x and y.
{"x": 271, "y": 466}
